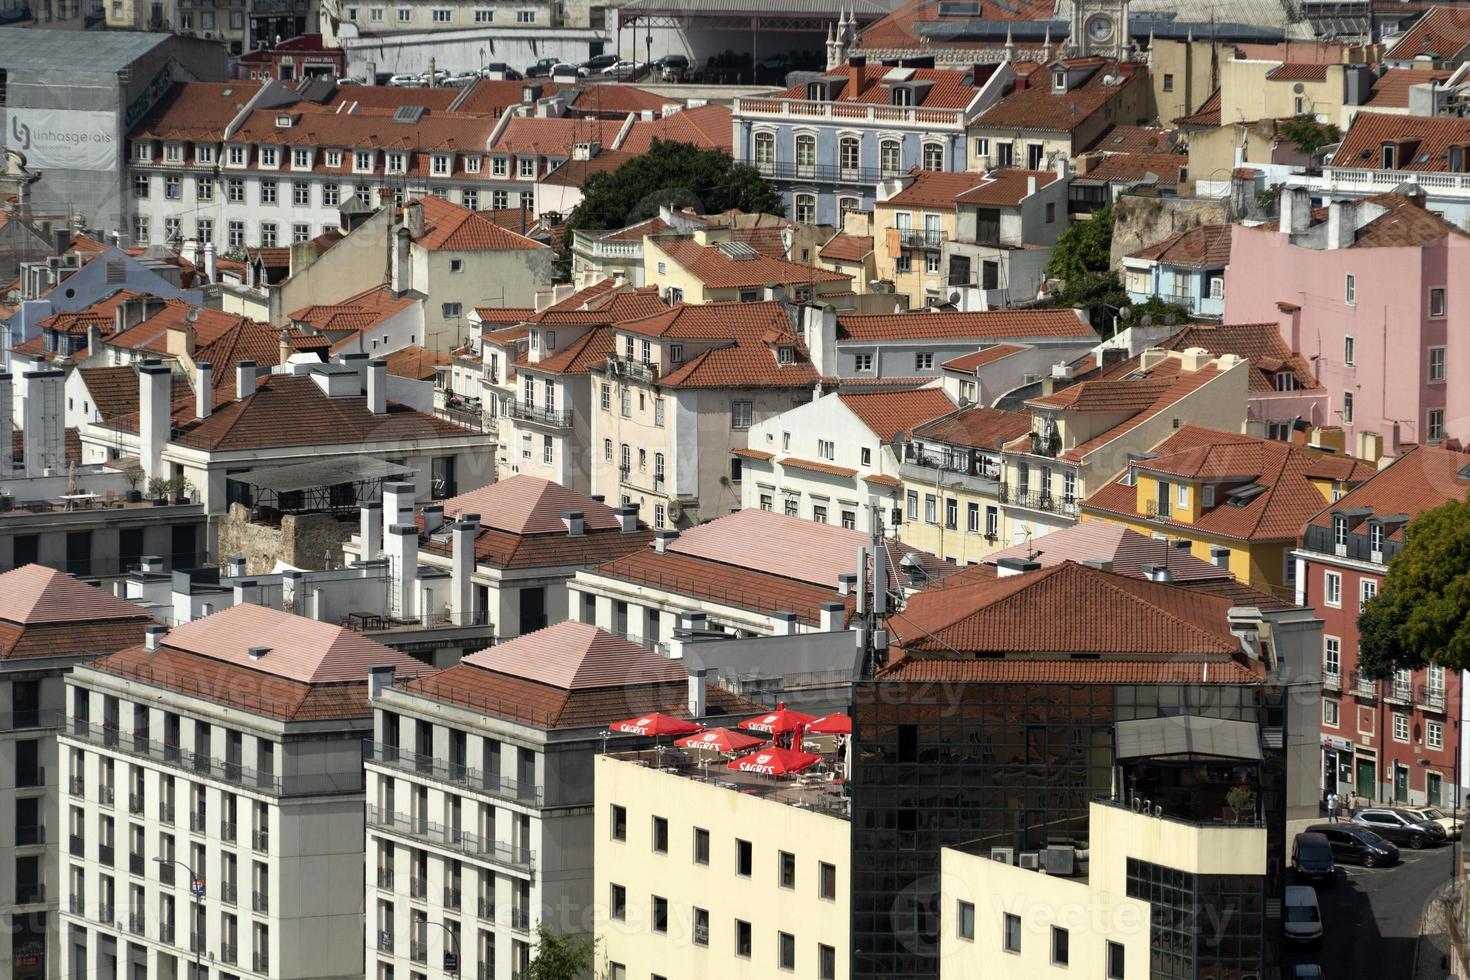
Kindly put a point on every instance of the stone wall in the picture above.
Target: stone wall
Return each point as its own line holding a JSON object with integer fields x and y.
{"x": 307, "y": 541}
{"x": 1143, "y": 221}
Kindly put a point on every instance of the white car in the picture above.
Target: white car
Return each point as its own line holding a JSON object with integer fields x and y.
{"x": 623, "y": 69}
{"x": 1300, "y": 914}
{"x": 1428, "y": 814}
{"x": 439, "y": 75}
{"x": 405, "y": 81}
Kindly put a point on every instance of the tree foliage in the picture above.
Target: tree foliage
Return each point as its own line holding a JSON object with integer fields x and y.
{"x": 671, "y": 173}
{"x": 1085, "y": 247}
{"x": 1308, "y": 135}
{"x": 559, "y": 957}
{"x": 1422, "y": 615}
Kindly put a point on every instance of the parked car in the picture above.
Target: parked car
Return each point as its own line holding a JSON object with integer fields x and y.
{"x": 542, "y": 68}
{"x": 1311, "y": 857}
{"x": 1301, "y": 916}
{"x": 438, "y": 76}
{"x": 672, "y": 67}
{"x": 623, "y": 69}
{"x": 461, "y": 80}
{"x": 1399, "y": 827}
{"x": 1428, "y": 814}
{"x": 600, "y": 62}
{"x": 405, "y": 81}
{"x": 1352, "y": 844}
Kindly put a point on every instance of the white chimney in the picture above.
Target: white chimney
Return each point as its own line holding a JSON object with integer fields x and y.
{"x": 44, "y": 422}
{"x": 662, "y": 538}
{"x": 209, "y": 266}
{"x": 358, "y": 362}
{"x": 698, "y": 692}
{"x": 203, "y": 390}
{"x": 628, "y": 517}
{"x": 1030, "y": 184}
{"x": 377, "y": 387}
{"x": 7, "y": 444}
{"x": 846, "y": 583}
{"x": 152, "y": 636}
{"x": 398, "y": 499}
{"x": 1342, "y": 225}
{"x": 403, "y": 553}
{"x": 247, "y": 590}
{"x": 783, "y": 624}
{"x": 379, "y": 678}
{"x": 244, "y": 378}
{"x": 1006, "y": 567}
{"x": 400, "y": 276}
{"x": 370, "y": 530}
{"x": 433, "y": 518}
{"x": 574, "y": 522}
{"x": 235, "y": 566}
{"x": 154, "y": 423}
{"x": 833, "y": 617}
{"x": 462, "y": 570}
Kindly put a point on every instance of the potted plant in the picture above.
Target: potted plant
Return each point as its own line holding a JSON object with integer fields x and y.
{"x": 158, "y": 490}
{"x": 1243, "y": 802}
{"x": 134, "y": 475}
{"x": 179, "y": 488}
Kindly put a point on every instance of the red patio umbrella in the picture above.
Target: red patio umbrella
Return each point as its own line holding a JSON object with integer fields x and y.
{"x": 778, "y": 722}
{"x": 719, "y": 740}
{"x": 774, "y": 762}
{"x": 655, "y": 723}
{"x": 836, "y": 723}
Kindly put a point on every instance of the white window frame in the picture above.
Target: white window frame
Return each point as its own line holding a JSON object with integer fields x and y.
{"x": 1400, "y": 728}
{"x": 1332, "y": 589}
{"x": 1331, "y": 713}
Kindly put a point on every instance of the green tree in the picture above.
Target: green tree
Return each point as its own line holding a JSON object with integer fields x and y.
{"x": 1308, "y": 135}
{"x": 559, "y": 957}
{"x": 1423, "y": 613}
{"x": 670, "y": 173}
{"x": 1085, "y": 247}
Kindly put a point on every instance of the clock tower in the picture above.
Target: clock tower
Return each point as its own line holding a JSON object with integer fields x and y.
{"x": 1100, "y": 27}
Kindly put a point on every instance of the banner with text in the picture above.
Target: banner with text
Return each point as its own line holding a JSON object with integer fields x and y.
{"x": 64, "y": 139}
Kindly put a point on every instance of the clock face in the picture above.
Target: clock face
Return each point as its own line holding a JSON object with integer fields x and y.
{"x": 1099, "y": 27}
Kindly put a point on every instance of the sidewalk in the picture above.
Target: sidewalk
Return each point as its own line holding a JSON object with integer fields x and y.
{"x": 1432, "y": 957}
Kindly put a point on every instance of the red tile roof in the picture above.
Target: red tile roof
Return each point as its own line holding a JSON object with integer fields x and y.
{"x": 716, "y": 270}
{"x": 553, "y": 136}
{"x": 843, "y": 247}
{"x": 948, "y": 89}
{"x": 1071, "y": 672}
{"x": 573, "y": 656}
{"x": 1442, "y": 32}
{"x": 993, "y": 324}
{"x": 747, "y": 337}
{"x": 618, "y": 100}
{"x": 891, "y": 413}
{"x": 524, "y": 504}
{"x": 816, "y": 466}
{"x": 1202, "y": 247}
{"x": 969, "y": 362}
{"x": 578, "y": 357}
{"x": 1207, "y": 116}
{"x": 196, "y": 110}
{"x": 114, "y": 390}
{"x": 355, "y": 313}
{"x": 1421, "y": 479}
{"x": 1298, "y": 72}
{"x": 978, "y": 427}
{"x": 1135, "y": 139}
{"x": 451, "y": 228}
{"x": 415, "y": 363}
{"x": 916, "y": 23}
{"x": 1133, "y": 168}
{"x": 1259, "y": 343}
{"x": 1005, "y": 188}
{"x": 604, "y": 303}
{"x": 934, "y": 189}
{"x": 1037, "y": 107}
{"x": 706, "y": 126}
{"x": 1390, "y": 90}
{"x": 34, "y": 595}
{"x": 1423, "y": 142}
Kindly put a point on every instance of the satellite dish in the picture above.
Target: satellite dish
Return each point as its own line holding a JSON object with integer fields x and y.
{"x": 1298, "y": 88}
{"x": 954, "y": 299}
{"x": 1125, "y": 312}
{"x": 1147, "y": 320}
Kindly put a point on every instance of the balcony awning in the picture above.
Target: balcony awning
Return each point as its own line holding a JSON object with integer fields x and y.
{"x": 1187, "y": 735}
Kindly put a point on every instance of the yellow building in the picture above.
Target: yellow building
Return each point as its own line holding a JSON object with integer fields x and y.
{"x": 708, "y": 873}
{"x": 1239, "y": 501}
{"x": 1099, "y": 916}
{"x": 911, "y": 226}
{"x": 701, "y": 268}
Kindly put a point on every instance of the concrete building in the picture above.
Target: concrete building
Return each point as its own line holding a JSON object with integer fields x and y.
{"x": 1186, "y": 269}
{"x": 1396, "y": 739}
{"x": 49, "y": 622}
{"x": 705, "y": 872}
{"x": 481, "y": 815}
{"x": 1329, "y": 282}
{"x": 235, "y": 742}
{"x": 698, "y": 269}
{"x": 832, "y": 459}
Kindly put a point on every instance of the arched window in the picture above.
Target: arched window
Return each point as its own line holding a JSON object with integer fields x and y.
{"x": 806, "y": 156}
{"x": 765, "y": 152}
{"x": 933, "y": 156}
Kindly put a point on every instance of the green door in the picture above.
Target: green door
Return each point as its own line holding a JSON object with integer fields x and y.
{"x": 1367, "y": 779}
{"x": 1436, "y": 794}
{"x": 1400, "y": 783}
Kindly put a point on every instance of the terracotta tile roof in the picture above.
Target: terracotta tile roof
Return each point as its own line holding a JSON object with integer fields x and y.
{"x": 196, "y": 110}
{"x": 948, "y": 89}
{"x": 883, "y": 480}
{"x": 1442, "y": 31}
{"x": 553, "y": 136}
{"x": 34, "y": 595}
{"x": 604, "y": 303}
{"x": 1259, "y": 343}
{"x": 1405, "y": 225}
{"x": 1202, "y": 247}
{"x": 114, "y": 390}
{"x": 415, "y": 363}
{"x": 151, "y": 335}
{"x": 1064, "y": 610}
{"x": 716, "y": 270}
{"x": 1127, "y": 552}
{"x": 891, "y": 413}
{"x": 815, "y": 466}
{"x": 1298, "y": 72}
{"x": 934, "y": 189}
{"x": 986, "y": 355}
{"x": 1012, "y": 325}
{"x": 574, "y": 173}
{"x": 356, "y": 313}
{"x": 1037, "y": 107}
{"x": 750, "y": 453}
{"x": 70, "y": 639}
{"x": 1071, "y": 672}
{"x": 1133, "y": 168}
{"x": 319, "y": 126}
{"x": 102, "y": 313}
{"x": 1423, "y": 142}
{"x": 1207, "y": 116}
{"x": 843, "y": 247}
{"x": 917, "y": 23}
{"x": 1390, "y": 90}
{"x": 524, "y": 504}
{"x": 1135, "y": 139}
{"x": 504, "y": 550}
{"x": 706, "y": 126}
{"x": 451, "y": 228}
{"x": 978, "y": 427}
{"x": 1289, "y": 499}
{"x": 514, "y": 316}
{"x": 587, "y": 351}
{"x": 616, "y": 99}
{"x": 747, "y": 336}
{"x": 491, "y": 97}
{"x": 636, "y": 233}
{"x": 1420, "y": 479}
{"x": 298, "y": 649}
{"x": 1005, "y": 188}
{"x": 574, "y": 656}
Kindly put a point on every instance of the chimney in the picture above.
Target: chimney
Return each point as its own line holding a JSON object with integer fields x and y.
{"x": 856, "y": 75}
{"x": 257, "y": 654}
{"x": 846, "y": 583}
{"x": 1006, "y": 567}
{"x": 235, "y": 566}
{"x": 151, "y": 564}
{"x": 377, "y": 387}
{"x": 154, "y": 424}
{"x": 403, "y": 554}
{"x": 399, "y": 278}
{"x": 380, "y": 679}
{"x": 247, "y": 590}
{"x": 370, "y": 530}
{"x": 413, "y": 219}
{"x": 833, "y": 616}
{"x": 1392, "y": 446}
{"x": 210, "y": 272}
{"x": 1152, "y": 358}
{"x": 7, "y": 442}
{"x": 152, "y": 636}
{"x": 1030, "y": 184}
{"x": 1342, "y": 225}
{"x": 462, "y": 570}
{"x": 203, "y": 389}
{"x": 1294, "y": 210}
{"x": 433, "y": 518}
{"x": 283, "y": 353}
{"x": 628, "y": 517}
{"x": 694, "y": 622}
{"x": 358, "y": 362}
{"x": 94, "y": 341}
{"x": 574, "y": 522}
{"x": 661, "y": 539}
{"x": 398, "y": 499}
{"x": 244, "y": 378}
{"x": 783, "y": 624}
{"x": 698, "y": 692}
{"x": 1157, "y": 573}
{"x": 1193, "y": 359}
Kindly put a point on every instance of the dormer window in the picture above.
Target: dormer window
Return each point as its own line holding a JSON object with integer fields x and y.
{"x": 283, "y": 120}
{"x": 301, "y": 158}
{"x": 362, "y": 161}
{"x": 1375, "y": 537}
{"x": 1059, "y": 81}
{"x": 203, "y": 153}
{"x": 472, "y": 165}
{"x": 1340, "y": 532}
{"x": 237, "y": 155}
{"x": 1285, "y": 381}
{"x": 143, "y": 151}
{"x": 334, "y": 158}
{"x": 676, "y": 353}
{"x": 902, "y": 95}
{"x": 1389, "y": 157}
{"x": 441, "y": 165}
{"x": 786, "y": 354}
{"x": 535, "y": 339}
{"x": 173, "y": 152}
{"x": 1207, "y": 495}
{"x": 269, "y": 156}
{"x": 397, "y": 161}
{"x": 1457, "y": 159}
{"x": 816, "y": 91}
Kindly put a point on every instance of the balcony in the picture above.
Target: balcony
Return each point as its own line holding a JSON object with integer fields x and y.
{"x": 451, "y": 898}
{"x": 418, "y": 950}
{"x": 228, "y": 893}
{"x": 104, "y": 854}
{"x": 385, "y": 942}
{"x": 1429, "y": 698}
{"x": 262, "y": 962}
{"x": 472, "y": 845}
{"x": 418, "y": 888}
{"x": 136, "y": 923}
{"x": 136, "y": 865}
{"x": 77, "y": 786}
{"x": 197, "y": 821}
{"x": 1331, "y": 679}
{"x": 1398, "y": 692}
{"x": 28, "y": 834}
{"x": 229, "y": 952}
{"x": 105, "y": 915}
{"x": 587, "y": 243}
{"x": 453, "y": 774}
{"x": 631, "y": 368}
{"x": 821, "y": 173}
{"x": 30, "y": 892}
{"x": 27, "y": 719}
{"x": 1033, "y": 500}
{"x": 260, "y": 901}
{"x": 227, "y": 831}
{"x": 166, "y": 813}
{"x": 485, "y": 908}
{"x": 28, "y": 776}
{"x": 926, "y": 238}
{"x": 165, "y": 873}
{"x": 166, "y": 933}
{"x": 261, "y": 840}
{"x": 1364, "y": 687}
{"x": 173, "y": 756}
{"x": 849, "y": 112}
{"x": 385, "y": 878}
{"x": 77, "y": 904}
{"x": 520, "y": 920}
{"x": 105, "y": 795}
{"x": 77, "y": 845}
{"x": 135, "y": 803}
{"x": 517, "y": 409}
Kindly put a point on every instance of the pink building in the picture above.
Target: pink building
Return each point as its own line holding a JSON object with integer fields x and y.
{"x": 1363, "y": 291}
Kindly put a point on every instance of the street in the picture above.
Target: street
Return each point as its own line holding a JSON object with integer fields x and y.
{"x": 1370, "y": 917}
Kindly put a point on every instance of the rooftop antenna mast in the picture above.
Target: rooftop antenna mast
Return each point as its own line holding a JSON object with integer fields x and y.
{"x": 872, "y": 609}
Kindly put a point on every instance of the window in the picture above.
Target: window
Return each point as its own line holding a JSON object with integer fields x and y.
{"x": 765, "y": 152}
{"x": 301, "y": 233}
{"x": 701, "y": 846}
{"x": 405, "y": 14}
{"x": 931, "y": 509}
{"x": 268, "y": 156}
{"x": 1436, "y": 301}
{"x": 173, "y": 187}
{"x": 1349, "y": 352}
{"x": 931, "y": 262}
{"x": 742, "y": 939}
{"x": 1331, "y": 712}
{"x": 1436, "y": 364}
{"x": 965, "y": 926}
{"x": 827, "y": 881}
{"x": 676, "y": 353}
{"x": 205, "y": 231}
{"x": 1181, "y": 494}
{"x": 1331, "y": 656}
{"x": 1168, "y": 82}
{"x": 933, "y": 156}
{"x": 300, "y": 193}
{"x": 525, "y": 16}
{"x": 790, "y": 506}
{"x": 924, "y": 361}
{"x": 236, "y": 155}
{"x": 1115, "y": 960}
{"x": 701, "y": 927}
{"x": 806, "y": 155}
{"x": 741, "y": 414}
{"x": 1332, "y": 588}
{"x": 847, "y": 155}
{"x": 1347, "y": 408}
{"x": 744, "y": 858}
{"x": 1350, "y": 289}
{"x": 375, "y": 14}
{"x": 1011, "y": 938}
{"x": 441, "y": 15}
{"x": 826, "y": 962}
{"x": 626, "y": 398}
{"x": 617, "y": 902}
{"x": 619, "y": 820}
{"x": 236, "y": 233}
{"x": 1367, "y": 591}
{"x": 1400, "y": 727}
{"x": 659, "y": 913}
{"x": 1434, "y": 425}
{"x": 951, "y": 513}
{"x": 451, "y": 309}
{"x": 826, "y": 449}
{"x": 889, "y": 158}
{"x": 912, "y": 501}
{"x": 982, "y": 148}
{"x": 1434, "y": 735}
{"x": 267, "y": 192}
{"x": 140, "y": 186}
{"x": 786, "y": 869}
{"x": 1286, "y": 381}
{"x": 863, "y": 363}
{"x": 526, "y": 167}
{"x": 267, "y": 234}
{"x": 500, "y": 167}
{"x": 785, "y": 951}
{"x": 805, "y": 208}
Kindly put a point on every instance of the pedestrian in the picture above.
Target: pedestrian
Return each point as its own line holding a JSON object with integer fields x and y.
{"x": 1332, "y": 807}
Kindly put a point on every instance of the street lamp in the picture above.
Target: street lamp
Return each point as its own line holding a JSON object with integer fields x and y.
{"x": 451, "y": 965}
{"x": 196, "y": 888}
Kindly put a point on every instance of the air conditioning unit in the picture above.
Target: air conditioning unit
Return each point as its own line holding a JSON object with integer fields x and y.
{"x": 1060, "y": 860}
{"x": 1005, "y": 855}
{"x": 1030, "y": 860}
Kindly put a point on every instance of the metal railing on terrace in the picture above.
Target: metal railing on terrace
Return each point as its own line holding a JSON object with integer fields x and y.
{"x": 849, "y": 112}
{"x": 467, "y": 777}
{"x": 822, "y": 173}
{"x": 1431, "y": 698}
{"x": 1036, "y": 500}
{"x": 820, "y": 788}
{"x": 473, "y": 845}
{"x": 517, "y": 409}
